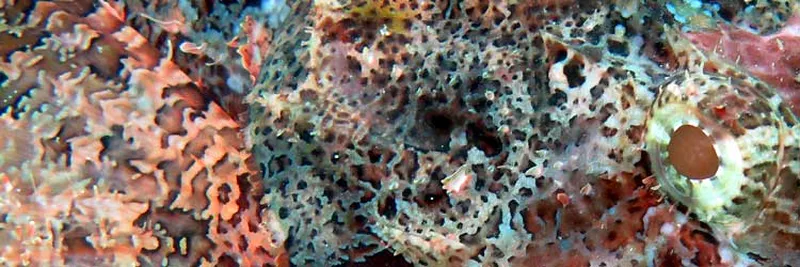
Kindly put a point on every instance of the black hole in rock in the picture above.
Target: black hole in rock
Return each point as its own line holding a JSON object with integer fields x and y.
{"x": 758, "y": 258}
{"x": 440, "y": 122}
{"x": 78, "y": 244}
{"x": 360, "y": 220}
{"x": 385, "y": 258}
{"x": 328, "y": 194}
{"x": 512, "y": 206}
{"x": 526, "y": 192}
{"x": 279, "y": 164}
{"x": 301, "y": 185}
{"x": 484, "y": 139}
{"x": 573, "y": 72}
{"x": 726, "y": 13}
{"x": 611, "y": 236}
{"x": 479, "y": 184}
{"x": 306, "y": 136}
{"x": 661, "y": 50}
{"x": 406, "y": 193}
{"x": 557, "y": 99}
{"x": 342, "y": 183}
{"x": 425, "y": 74}
{"x": 110, "y": 141}
{"x": 618, "y": 48}
{"x": 596, "y": 92}
{"x": 387, "y": 208}
{"x": 480, "y": 104}
{"x": 432, "y": 195}
{"x": 224, "y": 192}
{"x": 425, "y": 100}
{"x": 561, "y": 55}
{"x": 283, "y": 213}
{"x": 374, "y": 155}
{"x": 475, "y": 85}
{"x": 226, "y": 260}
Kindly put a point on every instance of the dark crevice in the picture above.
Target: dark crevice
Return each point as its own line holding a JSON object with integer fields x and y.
{"x": 573, "y": 72}
{"x": 484, "y": 138}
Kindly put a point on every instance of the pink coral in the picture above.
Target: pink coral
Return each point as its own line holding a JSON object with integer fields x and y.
{"x": 774, "y": 58}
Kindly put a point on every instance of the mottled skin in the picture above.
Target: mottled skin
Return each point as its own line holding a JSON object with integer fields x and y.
{"x": 438, "y": 133}
{"x": 111, "y": 153}
{"x": 366, "y": 108}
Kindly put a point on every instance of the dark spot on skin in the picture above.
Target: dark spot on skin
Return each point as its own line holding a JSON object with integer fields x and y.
{"x": 484, "y": 139}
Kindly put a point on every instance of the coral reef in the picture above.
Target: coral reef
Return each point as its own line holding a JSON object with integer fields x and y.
{"x": 399, "y": 133}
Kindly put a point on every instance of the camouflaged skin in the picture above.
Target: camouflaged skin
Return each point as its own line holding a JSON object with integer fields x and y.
{"x": 427, "y": 133}
{"x": 477, "y": 133}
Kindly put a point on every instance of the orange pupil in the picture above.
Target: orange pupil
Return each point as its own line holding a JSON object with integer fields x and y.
{"x": 692, "y": 154}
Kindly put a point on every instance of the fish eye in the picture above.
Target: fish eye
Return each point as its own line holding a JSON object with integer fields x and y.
{"x": 714, "y": 144}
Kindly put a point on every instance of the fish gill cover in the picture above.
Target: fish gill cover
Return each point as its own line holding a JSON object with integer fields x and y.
{"x": 399, "y": 132}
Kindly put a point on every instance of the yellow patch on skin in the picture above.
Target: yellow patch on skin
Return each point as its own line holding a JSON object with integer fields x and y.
{"x": 393, "y": 18}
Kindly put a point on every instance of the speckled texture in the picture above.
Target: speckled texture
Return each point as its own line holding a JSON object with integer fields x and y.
{"x": 111, "y": 154}
{"x": 396, "y": 133}
{"x": 495, "y": 133}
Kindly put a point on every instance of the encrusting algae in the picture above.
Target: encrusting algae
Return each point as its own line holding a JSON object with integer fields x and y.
{"x": 399, "y": 133}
